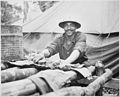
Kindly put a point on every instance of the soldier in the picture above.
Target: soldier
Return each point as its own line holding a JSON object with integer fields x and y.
{"x": 71, "y": 45}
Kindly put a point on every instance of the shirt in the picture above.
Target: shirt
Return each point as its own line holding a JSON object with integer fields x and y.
{"x": 65, "y": 45}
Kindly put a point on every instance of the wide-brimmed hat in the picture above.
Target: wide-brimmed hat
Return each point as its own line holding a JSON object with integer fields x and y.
{"x": 61, "y": 24}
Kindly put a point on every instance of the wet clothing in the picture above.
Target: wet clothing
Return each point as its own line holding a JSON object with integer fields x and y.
{"x": 64, "y": 45}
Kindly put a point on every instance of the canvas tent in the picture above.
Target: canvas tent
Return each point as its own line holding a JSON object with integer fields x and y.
{"x": 95, "y": 16}
{"x": 99, "y": 20}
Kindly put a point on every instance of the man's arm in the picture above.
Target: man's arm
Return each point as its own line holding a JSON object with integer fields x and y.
{"x": 50, "y": 50}
{"x": 79, "y": 48}
{"x": 74, "y": 55}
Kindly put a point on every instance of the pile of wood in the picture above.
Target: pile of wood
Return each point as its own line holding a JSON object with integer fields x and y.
{"x": 17, "y": 82}
{"x": 90, "y": 90}
{"x": 27, "y": 87}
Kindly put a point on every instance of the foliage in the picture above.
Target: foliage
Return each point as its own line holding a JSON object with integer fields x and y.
{"x": 10, "y": 13}
{"x": 44, "y": 5}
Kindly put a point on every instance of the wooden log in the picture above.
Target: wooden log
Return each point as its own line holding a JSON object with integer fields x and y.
{"x": 99, "y": 71}
{"x": 93, "y": 87}
{"x": 27, "y": 87}
{"x": 18, "y": 88}
{"x": 15, "y": 73}
{"x": 69, "y": 91}
{"x": 90, "y": 90}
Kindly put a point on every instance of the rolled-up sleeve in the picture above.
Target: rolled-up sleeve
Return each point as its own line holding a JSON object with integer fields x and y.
{"x": 53, "y": 46}
{"x": 80, "y": 43}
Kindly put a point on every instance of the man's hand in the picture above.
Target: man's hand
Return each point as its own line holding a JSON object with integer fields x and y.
{"x": 31, "y": 56}
{"x": 56, "y": 63}
{"x": 38, "y": 58}
{"x": 64, "y": 64}
{"x": 60, "y": 63}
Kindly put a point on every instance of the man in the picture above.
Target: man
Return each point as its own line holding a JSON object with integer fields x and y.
{"x": 71, "y": 45}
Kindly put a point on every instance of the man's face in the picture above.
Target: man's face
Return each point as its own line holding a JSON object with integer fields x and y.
{"x": 69, "y": 28}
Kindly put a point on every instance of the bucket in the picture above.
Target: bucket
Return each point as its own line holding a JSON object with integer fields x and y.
{"x": 11, "y": 43}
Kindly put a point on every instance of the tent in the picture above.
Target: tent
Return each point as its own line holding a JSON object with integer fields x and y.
{"x": 100, "y": 23}
{"x": 95, "y": 16}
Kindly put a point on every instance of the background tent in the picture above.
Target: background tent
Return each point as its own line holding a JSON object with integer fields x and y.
{"x": 100, "y": 23}
{"x": 95, "y": 16}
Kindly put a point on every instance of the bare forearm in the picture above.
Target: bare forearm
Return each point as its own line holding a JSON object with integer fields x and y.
{"x": 74, "y": 55}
